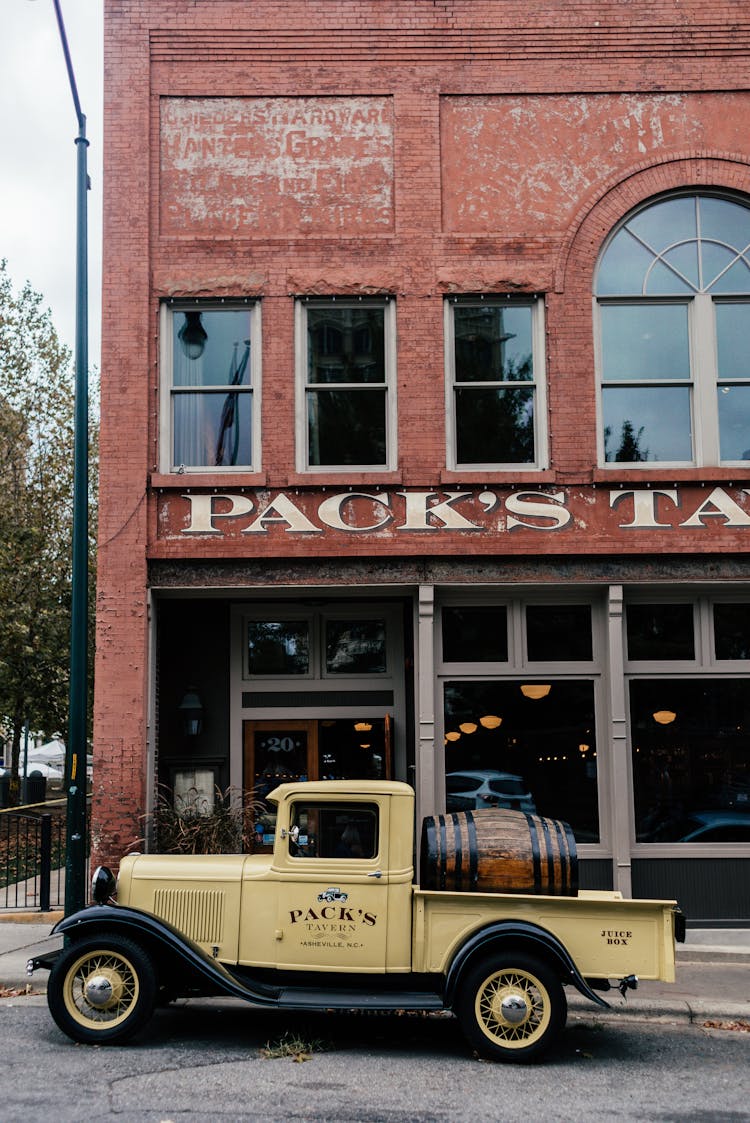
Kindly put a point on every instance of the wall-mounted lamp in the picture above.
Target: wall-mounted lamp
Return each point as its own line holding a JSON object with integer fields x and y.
{"x": 191, "y": 709}
{"x": 192, "y": 335}
{"x": 535, "y": 689}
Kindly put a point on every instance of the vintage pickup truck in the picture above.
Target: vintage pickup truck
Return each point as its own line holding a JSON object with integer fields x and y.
{"x": 332, "y": 920}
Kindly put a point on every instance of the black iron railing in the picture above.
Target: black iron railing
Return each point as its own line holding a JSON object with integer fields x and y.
{"x": 32, "y": 858}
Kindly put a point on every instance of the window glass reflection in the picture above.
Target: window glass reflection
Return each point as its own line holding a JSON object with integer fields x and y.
{"x": 647, "y": 423}
{"x": 278, "y": 647}
{"x": 734, "y": 422}
{"x": 355, "y": 647}
{"x": 660, "y": 631}
{"x": 494, "y": 426}
{"x": 732, "y": 334}
{"x": 493, "y": 344}
{"x": 645, "y": 341}
{"x": 732, "y": 631}
{"x": 691, "y": 759}
{"x": 558, "y": 632}
{"x": 346, "y": 427}
{"x": 504, "y": 749}
{"x": 474, "y": 633}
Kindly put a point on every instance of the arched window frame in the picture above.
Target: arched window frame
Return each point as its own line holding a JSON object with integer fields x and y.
{"x": 704, "y": 402}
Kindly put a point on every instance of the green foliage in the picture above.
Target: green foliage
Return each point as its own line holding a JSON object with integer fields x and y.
{"x": 36, "y": 477}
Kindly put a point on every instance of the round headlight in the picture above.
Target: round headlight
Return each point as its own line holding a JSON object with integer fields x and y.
{"x": 103, "y": 885}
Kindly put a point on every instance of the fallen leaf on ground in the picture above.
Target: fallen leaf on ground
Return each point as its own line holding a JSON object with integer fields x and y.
{"x": 734, "y": 1026}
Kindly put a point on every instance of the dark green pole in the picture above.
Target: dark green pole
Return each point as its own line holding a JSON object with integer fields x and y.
{"x": 75, "y": 762}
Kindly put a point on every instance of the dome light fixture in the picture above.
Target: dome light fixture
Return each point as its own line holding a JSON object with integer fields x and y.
{"x": 664, "y": 717}
{"x": 490, "y": 721}
{"x": 536, "y": 689}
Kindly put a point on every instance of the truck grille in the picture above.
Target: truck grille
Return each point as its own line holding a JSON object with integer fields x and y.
{"x": 199, "y": 913}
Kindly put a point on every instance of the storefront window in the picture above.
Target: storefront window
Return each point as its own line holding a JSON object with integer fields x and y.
{"x": 558, "y": 633}
{"x": 475, "y": 634}
{"x": 732, "y": 631}
{"x": 660, "y": 631}
{"x": 529, "y": 750}
{"x": 691, "y": 759}
{"x": 278, "y": 647}
{"x": 355, "y": 647}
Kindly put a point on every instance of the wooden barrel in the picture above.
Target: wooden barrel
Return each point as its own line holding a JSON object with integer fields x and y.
{"x": 498, "y": 851}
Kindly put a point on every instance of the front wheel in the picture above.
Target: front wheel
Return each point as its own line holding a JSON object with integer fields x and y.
{"x": 511, "y": 1008}
{"x": 102, "y": 990}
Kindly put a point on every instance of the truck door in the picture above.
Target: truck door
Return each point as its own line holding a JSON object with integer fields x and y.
{"x": 333, "y": 886}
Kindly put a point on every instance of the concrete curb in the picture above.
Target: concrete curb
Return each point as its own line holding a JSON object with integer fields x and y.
{"x": 28, "y": 917}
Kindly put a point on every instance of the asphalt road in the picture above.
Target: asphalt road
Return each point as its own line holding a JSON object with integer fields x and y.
{"x": 203, "y": 1061}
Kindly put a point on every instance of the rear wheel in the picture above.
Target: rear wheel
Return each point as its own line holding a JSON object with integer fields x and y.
{"x": 102, "y": 990}
{"x": 511, "y": 1008}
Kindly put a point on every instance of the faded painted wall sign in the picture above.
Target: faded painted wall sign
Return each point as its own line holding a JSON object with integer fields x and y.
{"x": 485, "y": 513}
{"x": 276, "y": 165}
{"x": 523, "y": 164}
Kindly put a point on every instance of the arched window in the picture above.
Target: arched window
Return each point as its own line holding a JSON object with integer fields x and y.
{"x": 673, "y": 332}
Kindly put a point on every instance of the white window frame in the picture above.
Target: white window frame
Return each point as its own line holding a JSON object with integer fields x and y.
{"x": 704, "y": 381}
{"x": 538, "y": 384}
{"x": 388, "y": 304}
{"x": 167, "y": 392}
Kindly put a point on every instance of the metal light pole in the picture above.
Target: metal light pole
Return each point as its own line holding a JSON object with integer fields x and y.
{"x": 75, "y": 761}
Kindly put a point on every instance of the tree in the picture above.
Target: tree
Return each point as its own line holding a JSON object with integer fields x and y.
{"x": 36, "y": 476}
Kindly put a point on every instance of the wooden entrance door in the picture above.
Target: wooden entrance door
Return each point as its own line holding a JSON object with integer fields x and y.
{"x": 276, "y": 752}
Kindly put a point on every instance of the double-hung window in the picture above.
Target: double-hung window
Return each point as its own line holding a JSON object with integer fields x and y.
{"x": 210, "y": 403}
{"x": 673, "y": 308}
{"x": 495, "y": 383}
{"x": 346, "y": 384}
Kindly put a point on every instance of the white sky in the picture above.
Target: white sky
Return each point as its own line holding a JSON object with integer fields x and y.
{"x": 38, "y": 158}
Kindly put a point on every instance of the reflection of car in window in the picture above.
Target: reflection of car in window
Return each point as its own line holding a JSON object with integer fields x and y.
{"x": 704, "y": 826}
{"x": 467, "y": 791}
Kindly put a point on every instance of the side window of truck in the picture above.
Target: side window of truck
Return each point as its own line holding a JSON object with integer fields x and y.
{"x": 333, "y": 830}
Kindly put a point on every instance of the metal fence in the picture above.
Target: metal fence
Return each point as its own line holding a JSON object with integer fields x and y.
{"x": 32, "y": 858}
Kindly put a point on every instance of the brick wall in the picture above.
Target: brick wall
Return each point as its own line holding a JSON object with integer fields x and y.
{"x": 496, "y": 144}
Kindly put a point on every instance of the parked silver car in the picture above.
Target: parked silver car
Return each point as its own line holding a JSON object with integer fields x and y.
{"x": 467, "y": 791}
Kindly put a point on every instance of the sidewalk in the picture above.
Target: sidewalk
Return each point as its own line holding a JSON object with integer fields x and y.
{"x": 713, "y": 974}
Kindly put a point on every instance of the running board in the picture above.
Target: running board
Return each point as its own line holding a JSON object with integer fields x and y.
{"x": 304, "y": 998}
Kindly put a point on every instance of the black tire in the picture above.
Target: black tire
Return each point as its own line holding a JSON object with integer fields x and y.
{"x": 127, "y": 990}
{"x": 534, "y": 1014}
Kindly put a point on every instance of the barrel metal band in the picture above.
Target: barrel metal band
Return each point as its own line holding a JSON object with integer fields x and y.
{"x": 550, "y": 857}
{"x": 535, "y": 855}
{"x": 443, "y": 851}
{"x": 562, "y": 849}
{"x": 458, "y": 850}
{"x": 573, "y": 852}
{"x": 430, "y": 863}
{"x": 473, "y": 855}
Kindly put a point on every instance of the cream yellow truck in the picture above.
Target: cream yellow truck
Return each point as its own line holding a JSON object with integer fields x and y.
{"x": 332, "y": 920}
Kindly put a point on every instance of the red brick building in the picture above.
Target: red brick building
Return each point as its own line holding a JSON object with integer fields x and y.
{"x": 425, "y": 441}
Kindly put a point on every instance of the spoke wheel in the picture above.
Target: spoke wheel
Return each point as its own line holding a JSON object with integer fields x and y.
{"x": 511, "y": 1009}
{"x": 102, "y": 990}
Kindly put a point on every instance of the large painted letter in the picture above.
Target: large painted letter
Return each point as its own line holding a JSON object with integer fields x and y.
{"x": 644, "y": 506}
{"x": 719, "y": 505}
{"x": 329, "y": 511}
{"x": 285, "y": 512}
{"x": 202, "y": 513}
{"x": 417, "y": 511}
{"x": 538, "y": 505}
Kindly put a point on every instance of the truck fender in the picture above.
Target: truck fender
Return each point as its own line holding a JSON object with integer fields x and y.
{"x": 166, "y": 943}
{"x": 516, "y": 934}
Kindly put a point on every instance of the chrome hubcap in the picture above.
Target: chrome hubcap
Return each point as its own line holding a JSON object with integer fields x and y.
{"x": 514, "y": 1009}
